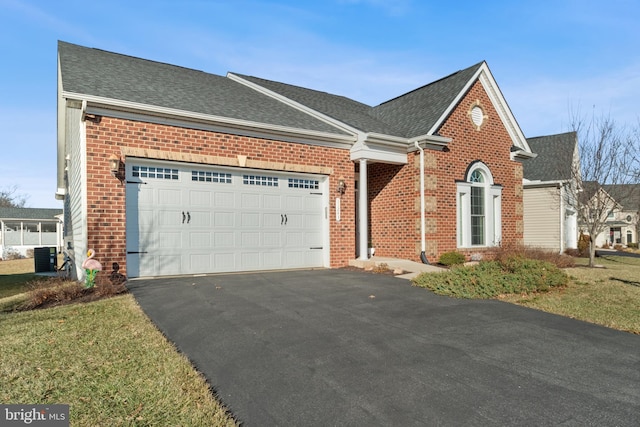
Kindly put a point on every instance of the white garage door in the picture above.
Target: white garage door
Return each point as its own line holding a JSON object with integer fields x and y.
{"x": 193, "y": 219}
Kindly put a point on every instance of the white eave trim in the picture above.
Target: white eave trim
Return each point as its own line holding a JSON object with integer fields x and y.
{"x": 96, "y": 103}
{"x": 535, "y": 184}
{"x": 523, "y": 155}
{"x": 430, "y": 142}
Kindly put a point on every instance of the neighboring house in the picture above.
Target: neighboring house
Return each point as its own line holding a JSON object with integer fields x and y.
{"x": 237, "y": 173}
{"x": 23, "y": 229}
{"x": 621, "y": 212}
{"x": 550, "y": 183}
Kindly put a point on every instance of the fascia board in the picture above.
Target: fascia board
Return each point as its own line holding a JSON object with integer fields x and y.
{"x": 96, "y": 103}
{"x": 298, "y": 106}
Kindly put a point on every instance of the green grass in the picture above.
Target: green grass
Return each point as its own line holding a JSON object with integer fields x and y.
{"x": 107, "y": 361}
{"x": 15, "y": 275}
{"x": 608, "y": 296}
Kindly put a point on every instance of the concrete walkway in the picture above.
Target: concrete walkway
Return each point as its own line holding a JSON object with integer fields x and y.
{"x": 411, "y": 268}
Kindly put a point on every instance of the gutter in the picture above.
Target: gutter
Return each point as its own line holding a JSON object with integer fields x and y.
{"x": 96, "y": 103}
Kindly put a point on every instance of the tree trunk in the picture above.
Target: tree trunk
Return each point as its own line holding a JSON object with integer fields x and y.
{"x": 592, "y": 252}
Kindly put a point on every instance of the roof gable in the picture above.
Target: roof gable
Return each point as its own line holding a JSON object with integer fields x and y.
{"x": 555, "y": 160}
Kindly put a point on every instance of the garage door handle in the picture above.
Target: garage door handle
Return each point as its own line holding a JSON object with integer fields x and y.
{"x": 285, "y": 219}
{"x": 281, "y": 219}
{"x": 183, "y": 217}
{"x": 188, "y": 217}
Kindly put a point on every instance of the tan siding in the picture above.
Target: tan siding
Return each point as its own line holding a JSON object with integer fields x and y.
{"x": 542, "y": 218}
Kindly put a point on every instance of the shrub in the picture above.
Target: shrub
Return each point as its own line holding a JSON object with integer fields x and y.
{"x": 618, "y": 247}
{"x": 451, "y": 258}
{"x": 632, "y": 245}
{"x": 60, "y": 291}
{"x": 11, "y": 254}
{"x": 488, "y": 279}
{"x": 558, "y": 259}
{"x": 583, "y": 245}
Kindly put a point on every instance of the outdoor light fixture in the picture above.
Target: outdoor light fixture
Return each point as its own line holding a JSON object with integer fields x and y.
{"x": 114, "y": 165}
{"x": 341, "y": 186}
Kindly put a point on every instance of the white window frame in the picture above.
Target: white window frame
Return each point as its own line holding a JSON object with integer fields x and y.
{"x": 492, "y": 208}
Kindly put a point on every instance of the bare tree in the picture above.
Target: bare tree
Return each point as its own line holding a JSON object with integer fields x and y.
{"x": 10, "y": 199}
{"x": 609, "y": 157}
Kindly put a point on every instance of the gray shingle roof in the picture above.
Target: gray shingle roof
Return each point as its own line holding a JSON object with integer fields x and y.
{"x": 29, "y": 213}
{"x": 348, "y": 111}
{"x": 555, "y": 157}
{"x": 416, "y": 112}
{"x": 110, "y": 75}
{"x": 114, "y": 76}
{"x": 627, "y": 195}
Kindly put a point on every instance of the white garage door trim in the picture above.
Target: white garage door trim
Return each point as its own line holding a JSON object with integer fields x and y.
{"x": 185, "y": 219}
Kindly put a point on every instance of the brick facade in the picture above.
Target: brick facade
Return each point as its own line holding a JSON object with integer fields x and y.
{"x": 394, "y": 190}
{"x": 106, "y": 215}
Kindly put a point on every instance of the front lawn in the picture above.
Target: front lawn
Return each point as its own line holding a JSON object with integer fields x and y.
{"x": 608, "y": 296}
{"x": 108, "y": 362}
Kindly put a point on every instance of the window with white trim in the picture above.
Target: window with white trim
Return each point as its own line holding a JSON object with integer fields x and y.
{"x": 479, "y": 205}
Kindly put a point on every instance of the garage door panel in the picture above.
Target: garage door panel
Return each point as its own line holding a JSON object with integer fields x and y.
{"x": 223, "y": 220}
{"x": 249, "y": 220}
{"x": 224, "y": 261}
{"x": 169, "y": 218}
{"x": 250, "y": 201}
{"x": 250, "y": 239}
{"x": 199, "y": 198}
{"x": 198, "y": 218}
{"x": 170, "y": 197}
{"x": 200, "y": 262}
{"x": 272, "y": 259}
{"x": 295, "y": 221}
{"x": 272, "y": 201}
{"x": 168, "y": 240}
{"x": 167, "y": 265}
{"x": 200, "y": 240}
{"x": 294, "y": 239}
{"x": 312, "y": 239}
{"x": 223, "y": 240}
{"x": 249, "y": 260}
{"x": 273, "y": 240}
{"x": 294, "y": 203}
{"x": 224, "y": 199}
{"x": 272, "y": 220}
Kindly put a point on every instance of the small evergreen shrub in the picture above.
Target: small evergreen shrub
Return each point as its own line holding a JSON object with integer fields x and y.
{"x": 632, "y": 245}
{"x": 583, "y": 245}
{"x": 488, "y": 279}
{"x": 451, "y": 258}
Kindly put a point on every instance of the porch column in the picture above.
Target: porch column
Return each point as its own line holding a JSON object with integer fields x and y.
{"x": 363, "y": 214}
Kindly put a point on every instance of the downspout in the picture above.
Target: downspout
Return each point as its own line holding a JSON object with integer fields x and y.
{"x": 562, "y": 219}
{"x": 423, "y": 256}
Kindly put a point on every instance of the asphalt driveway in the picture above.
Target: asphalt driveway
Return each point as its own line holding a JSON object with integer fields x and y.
{"x": 340, "y": 347}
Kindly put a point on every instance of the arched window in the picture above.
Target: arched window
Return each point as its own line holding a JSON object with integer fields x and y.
{"x": 479, "y": 208}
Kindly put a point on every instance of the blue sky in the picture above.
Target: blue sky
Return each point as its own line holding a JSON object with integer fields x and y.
{"x": 548, "y": 56}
